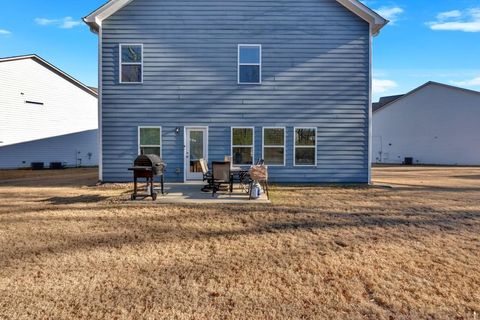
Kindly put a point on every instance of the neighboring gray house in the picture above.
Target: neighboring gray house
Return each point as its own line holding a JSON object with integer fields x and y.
{"x": 45, "y": 115}
{"x": 433, "y": 124}
{"x": 286, "y": 81}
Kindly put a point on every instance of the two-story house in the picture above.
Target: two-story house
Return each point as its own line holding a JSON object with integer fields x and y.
{"x": 284, "y": 81}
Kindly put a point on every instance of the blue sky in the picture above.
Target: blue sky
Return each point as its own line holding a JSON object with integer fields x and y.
{"x": 435, "y": 40}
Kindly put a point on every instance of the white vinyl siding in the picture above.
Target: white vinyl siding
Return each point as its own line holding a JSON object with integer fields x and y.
{"x": 63, "y": 129}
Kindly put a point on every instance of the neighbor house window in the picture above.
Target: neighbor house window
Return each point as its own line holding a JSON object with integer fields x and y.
{"x": 150, "y": 140}
{"x": 305, "y": 145}
{"x": 242, "y": 146}
{"x": 131, "y": 63}
{"x": 274, "y": 146}
{"x": 249, "y": 63}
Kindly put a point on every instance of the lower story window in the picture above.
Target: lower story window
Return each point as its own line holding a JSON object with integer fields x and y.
{"x": 305, "y": 146}
{"x": 242, "y": 146}
{"x": 274, "y": 146}
{"x": 150, "y": 140}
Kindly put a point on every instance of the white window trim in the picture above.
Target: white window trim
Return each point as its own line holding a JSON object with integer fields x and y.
{"x": 249, "y": 64}
{"x": 295, "y": 147}
{"x": 242, "y": 146}
{"x": 275, "y": 146}
{"x": 120, "y": 63}
{"x": 150, "y": 145}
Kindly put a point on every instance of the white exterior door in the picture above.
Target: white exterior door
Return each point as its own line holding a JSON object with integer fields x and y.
{"x": 196, "y": 148}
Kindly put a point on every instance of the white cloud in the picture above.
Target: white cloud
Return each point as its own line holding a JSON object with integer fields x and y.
{"x": 381, "y": 86}
{"x": 4, "y": 32}
{"x": 449, "y": 14}
{"x": 456, "y": 20}
{"x": 475, "y": 82}
{"x": 69, "y": 23}
{"x": 390, "y": 13}
{"x": 64, "y": 23}
{"x": 45, "y": 22}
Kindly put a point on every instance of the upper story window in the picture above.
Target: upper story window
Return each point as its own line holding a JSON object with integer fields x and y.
{"x": 131, "y": 63}
{"x": 249, "y": 63}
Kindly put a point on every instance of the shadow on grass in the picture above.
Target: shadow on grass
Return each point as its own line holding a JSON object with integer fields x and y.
{"x": 117, "y": 231}
{"x": 469, "y": 177}
{"x": 429, "y": 188}
{"x": 76, "y": 199}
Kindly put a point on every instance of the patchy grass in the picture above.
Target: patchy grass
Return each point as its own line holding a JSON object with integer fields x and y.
{"x": 407, "y": 248}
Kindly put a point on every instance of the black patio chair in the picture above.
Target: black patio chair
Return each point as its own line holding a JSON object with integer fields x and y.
{"x": 207, "y": 175}
{"x": 221, "y": 174}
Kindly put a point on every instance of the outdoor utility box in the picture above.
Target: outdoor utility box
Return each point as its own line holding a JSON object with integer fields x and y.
{"x": 408, "y": 161}
{"x": 56, "y": 165}
{"x": 37, "y": 165}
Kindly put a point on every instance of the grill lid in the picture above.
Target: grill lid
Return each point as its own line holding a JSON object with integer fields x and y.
{"x": 150, "y": 160}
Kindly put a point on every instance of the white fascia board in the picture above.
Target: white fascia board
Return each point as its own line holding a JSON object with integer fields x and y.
{"x": 376, "y": 21}
{"x": 95, "y": 19}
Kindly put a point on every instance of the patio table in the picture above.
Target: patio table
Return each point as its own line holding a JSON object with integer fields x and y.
{"x": 241, "y": 175}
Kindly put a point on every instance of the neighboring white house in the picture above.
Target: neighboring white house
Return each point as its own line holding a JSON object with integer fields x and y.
{"x": 45, "y": 115}
{"x": 433, "y": 124}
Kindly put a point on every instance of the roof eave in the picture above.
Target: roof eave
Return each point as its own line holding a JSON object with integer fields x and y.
{"x": 377, "y": 27}
{"x": 93, "y": 25}
{"x": 423, "y": 86}
{"x": 94, "y": 20}
{"x": 54, "y": 69}
{"x": 377, "y": 22}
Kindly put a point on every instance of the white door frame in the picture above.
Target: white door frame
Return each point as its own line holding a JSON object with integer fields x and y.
{"x": 205, "y": 146}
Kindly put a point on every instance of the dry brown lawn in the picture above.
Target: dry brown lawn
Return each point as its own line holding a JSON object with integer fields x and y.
{"x": 408, "y": 248}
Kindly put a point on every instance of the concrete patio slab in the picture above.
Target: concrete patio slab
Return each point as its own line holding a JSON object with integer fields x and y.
{"x": 192, "y": 193}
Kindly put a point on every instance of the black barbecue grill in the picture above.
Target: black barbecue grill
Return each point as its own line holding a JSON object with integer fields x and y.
{"x": 147, "y": 166}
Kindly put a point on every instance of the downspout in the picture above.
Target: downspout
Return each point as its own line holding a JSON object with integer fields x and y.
{"x": 370, "y": 129}
{"x": 100, "y": 97}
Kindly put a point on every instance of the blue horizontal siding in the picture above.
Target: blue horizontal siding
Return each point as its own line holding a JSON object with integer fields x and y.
{"x": 315, "y": 73}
